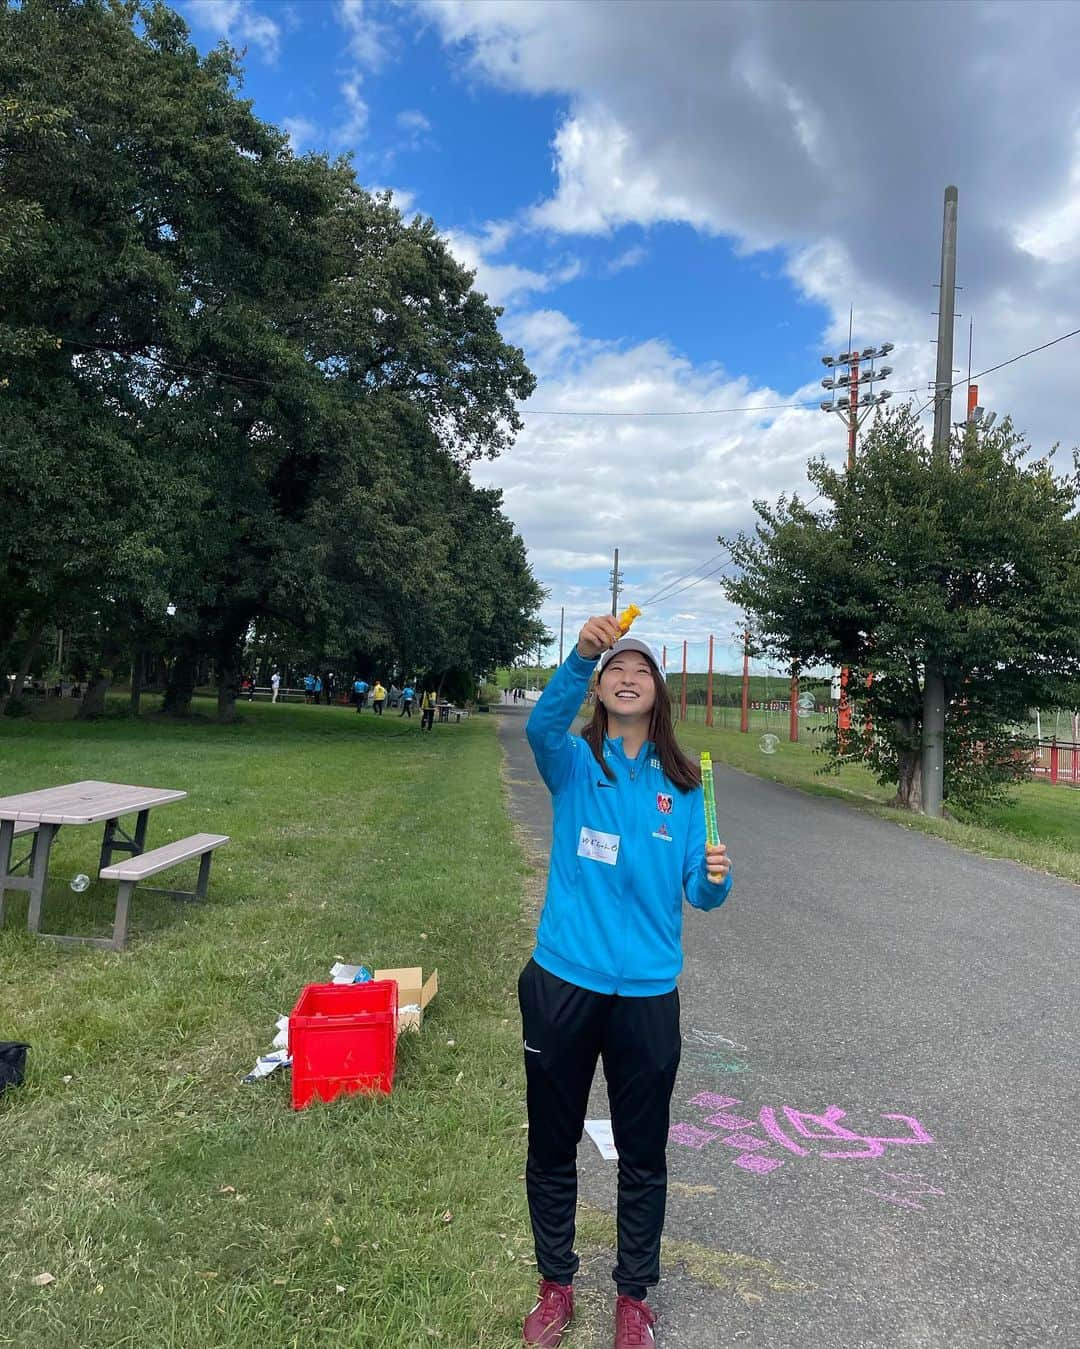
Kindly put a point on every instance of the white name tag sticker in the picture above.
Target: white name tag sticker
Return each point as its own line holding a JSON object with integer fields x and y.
{"x": 600, "y": 847}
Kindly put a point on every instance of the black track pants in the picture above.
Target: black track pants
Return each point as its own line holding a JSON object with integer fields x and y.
{"x": 566, "y": 1030}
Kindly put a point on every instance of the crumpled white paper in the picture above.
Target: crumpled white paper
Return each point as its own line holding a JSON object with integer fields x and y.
{"x": 278, "y": 1058}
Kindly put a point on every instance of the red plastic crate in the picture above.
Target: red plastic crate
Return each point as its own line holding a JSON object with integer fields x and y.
{"x": 343, "y": 1038}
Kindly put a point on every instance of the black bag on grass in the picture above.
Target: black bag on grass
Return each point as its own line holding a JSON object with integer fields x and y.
{"x": 12, "y": 1063}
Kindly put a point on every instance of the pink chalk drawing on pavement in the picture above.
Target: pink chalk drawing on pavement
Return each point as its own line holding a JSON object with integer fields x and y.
{"x": 745, "y": 1142}
{"x": 759, "y": 1165}
{"x": 801, "y": 1134}
{"x": 708, "y": 1100}
{"x": 909, "y": 1189}
{"x": 690, "y": 1137}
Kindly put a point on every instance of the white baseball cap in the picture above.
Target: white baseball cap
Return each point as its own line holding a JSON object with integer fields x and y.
{"x": 627, "y": 644}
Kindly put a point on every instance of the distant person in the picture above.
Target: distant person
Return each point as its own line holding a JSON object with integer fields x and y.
{"x": 427, "y": 710}
{"x": 408, "y": 695}
{"x": 316, "y": 693}
{"x": 309, "y": 688}
{"x": 378, "y": 698}
{"x": 329, "y": 684}
{"x": 275, "y": 686}
{"x": 247, "y": 688}
{"x": 359, "y": 693}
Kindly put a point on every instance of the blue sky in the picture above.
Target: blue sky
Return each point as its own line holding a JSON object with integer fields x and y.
{"x": 676, "y": 203}
{"x": 670, "y": 281}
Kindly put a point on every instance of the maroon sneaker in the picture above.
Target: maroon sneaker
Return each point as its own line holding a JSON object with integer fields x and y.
{"x": 634, "y": 1323}
{"x": 545, "y": 1324}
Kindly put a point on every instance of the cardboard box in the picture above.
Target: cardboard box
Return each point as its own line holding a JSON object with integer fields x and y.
{"x": 413, "y": 994}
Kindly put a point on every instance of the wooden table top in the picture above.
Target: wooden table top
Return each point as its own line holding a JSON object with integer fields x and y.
{"x": 84, "y": 802}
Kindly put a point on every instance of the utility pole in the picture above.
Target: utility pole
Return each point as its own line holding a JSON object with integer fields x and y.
{"x": 744, "y": 719}
{"x": 562, "y": 626}
{"x": 933, "y": 738}
{"x": 616, "y": 585}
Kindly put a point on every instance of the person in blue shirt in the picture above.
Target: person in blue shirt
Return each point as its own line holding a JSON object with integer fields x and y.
{"x": 408, "y": 695}
{"x": 360, "y": 689}
{"x": 628, "y": 842}
{"x": 316, "y": 692}
{"x": 309, "y": 687}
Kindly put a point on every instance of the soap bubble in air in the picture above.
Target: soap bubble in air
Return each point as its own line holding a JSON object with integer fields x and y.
{"x": 768, "y": 744}
{"x": 80, "y": 883}
{"x": 805, "y": 706}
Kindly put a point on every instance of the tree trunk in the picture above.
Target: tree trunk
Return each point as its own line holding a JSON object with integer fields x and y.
{"x": 9, "y": 626}
{"x": 228, "y": 683}
{"x": 93, "y": 700}
{"x": 180, "y": 685}
{"x": 93, "y": 703}
{"x": 909, "y": 787}
{"x": 138, "y": 666}
{"x": 226, "y": 697}
{"x": 29, "y": 652}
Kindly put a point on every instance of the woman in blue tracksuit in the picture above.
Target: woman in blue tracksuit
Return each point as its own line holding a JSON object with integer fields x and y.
{"x": 628, "y": 841}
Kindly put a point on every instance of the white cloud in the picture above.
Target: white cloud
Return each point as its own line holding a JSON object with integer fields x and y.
{"x": 730, "y": 118}
{"x": 604, "y": 183}
{"x": 504, "y": 283}
{"x": 238, "y": 22}
{"x": 368, "y": 39}
{"x": 355, "y": 123}
{"x": 660, "y": 489}
{"x": 629, "y": 257}
{"x": 301, "y": 132}
{"x": 412, "y": 119}
{"x": 1053, "y": 235}
{"x": 403, "y": 199}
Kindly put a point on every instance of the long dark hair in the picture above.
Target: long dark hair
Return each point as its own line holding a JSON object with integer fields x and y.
{"x": 679, "y": 770}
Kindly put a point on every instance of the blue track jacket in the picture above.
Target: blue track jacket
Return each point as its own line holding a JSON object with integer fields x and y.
{"x": 623, "y": 851}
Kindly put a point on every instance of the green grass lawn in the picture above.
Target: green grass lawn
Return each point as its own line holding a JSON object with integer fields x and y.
{"x": 1041, "y": 829}
{"x": 176, "y": 1206}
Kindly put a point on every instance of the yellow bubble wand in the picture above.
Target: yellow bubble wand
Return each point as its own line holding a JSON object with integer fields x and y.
{"x": 712, "y": 833}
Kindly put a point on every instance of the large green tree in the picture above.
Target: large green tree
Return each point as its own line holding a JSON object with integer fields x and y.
{"x": 238, "y": 386}
{"x": 967, "y": 564}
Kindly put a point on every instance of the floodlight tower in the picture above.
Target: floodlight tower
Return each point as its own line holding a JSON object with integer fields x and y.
{"x": 851, "y": 406}
{"x": 853, "y": 409}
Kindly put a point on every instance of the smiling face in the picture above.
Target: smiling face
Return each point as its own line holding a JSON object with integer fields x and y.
{"x": 627, "y": 685}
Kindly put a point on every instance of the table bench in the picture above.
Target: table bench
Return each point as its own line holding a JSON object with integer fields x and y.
{"x": 44, "y": 813}
{"x": 139, "y": 868}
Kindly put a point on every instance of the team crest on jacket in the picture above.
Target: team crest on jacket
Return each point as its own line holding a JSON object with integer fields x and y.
{"x": 663, "y": 803}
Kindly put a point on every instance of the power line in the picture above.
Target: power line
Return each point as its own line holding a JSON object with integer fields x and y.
{"x": 1000, "y": 366}
{"x": 776, "y": 407}
{"x": 668, "y": 591}
{"x": 674, "y": 412}
{"x": 707, "y": 577}
{"x": 669, "y": 585}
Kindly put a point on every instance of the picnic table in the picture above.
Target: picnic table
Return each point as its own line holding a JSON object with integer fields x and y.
{"x": 41, "y": 814}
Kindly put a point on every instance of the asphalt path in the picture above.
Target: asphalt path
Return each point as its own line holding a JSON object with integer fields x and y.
{"x": 876, "y": 1115}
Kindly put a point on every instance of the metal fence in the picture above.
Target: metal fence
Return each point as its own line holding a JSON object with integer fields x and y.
{"x": 1058, "y": 762}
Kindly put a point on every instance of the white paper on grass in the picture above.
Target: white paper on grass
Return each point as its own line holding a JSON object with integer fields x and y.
{"x": 599, "y": 1130}
{"x": 343, "y": 974}
{"x": 268, "y": 1063}
{"x": 281, "y": 1039}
